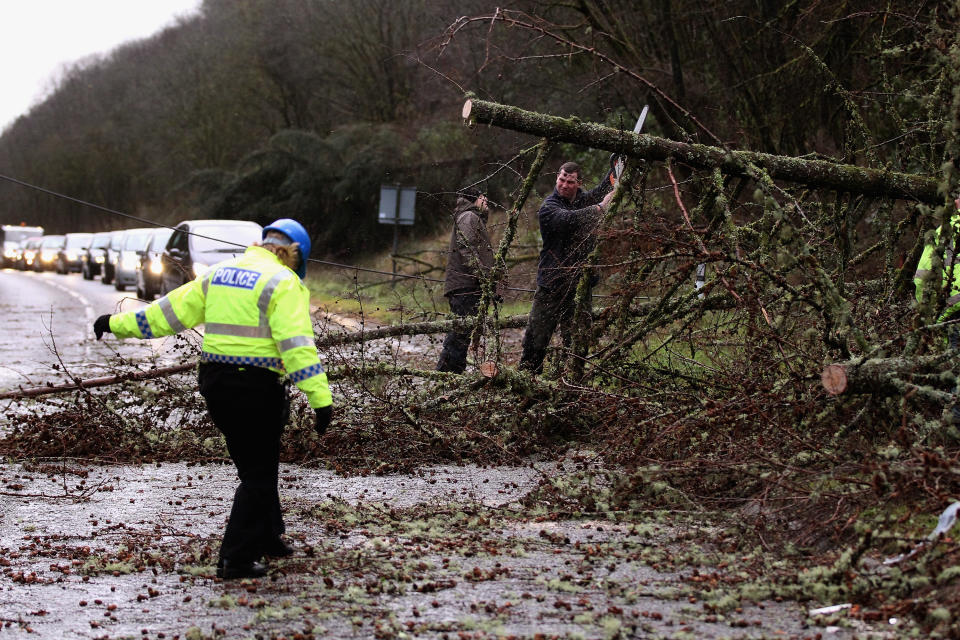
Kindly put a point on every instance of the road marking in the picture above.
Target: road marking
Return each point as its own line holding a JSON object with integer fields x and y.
{"x": 87, "y": 309}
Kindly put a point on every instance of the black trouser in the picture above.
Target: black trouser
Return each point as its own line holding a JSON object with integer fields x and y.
{"x": 551, "y": 306}
{"x": 454, "y": 355}
{"x": 249, "y": 406}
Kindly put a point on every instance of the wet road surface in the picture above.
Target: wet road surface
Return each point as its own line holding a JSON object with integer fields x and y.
{"x": 47, "y": 318}
{"x": 128, "y": 551}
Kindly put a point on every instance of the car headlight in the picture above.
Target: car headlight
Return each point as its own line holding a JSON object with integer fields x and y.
{"x": 9, "y": 253}
{"x": 156, "y": 267}
{"x": 46, "y": 257}
{"x": 99, "y": 259}
{"x": 72, "y": 256}
{"x": 199, "y": 268}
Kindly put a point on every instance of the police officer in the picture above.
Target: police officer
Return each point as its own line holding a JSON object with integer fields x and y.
{"x": 950, "y": 265}
{"x": 256, "y": 312}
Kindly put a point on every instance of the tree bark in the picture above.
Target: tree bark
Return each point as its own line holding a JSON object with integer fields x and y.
{"x": 90, "y": 383}
{"x": 416, "y": 328}
{"x": 813, "y": 173}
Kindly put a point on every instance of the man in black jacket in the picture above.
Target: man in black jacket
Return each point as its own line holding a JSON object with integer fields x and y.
{"x": 567, "y": 219}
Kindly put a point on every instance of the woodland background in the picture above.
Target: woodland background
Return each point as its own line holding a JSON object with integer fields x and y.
{"x": 260, "y": 108}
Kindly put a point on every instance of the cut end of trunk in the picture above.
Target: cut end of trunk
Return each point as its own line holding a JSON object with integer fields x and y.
{"x": 467, "y": 108}
{"x": 834, "y": 379}
{"x": 489, "y": 369}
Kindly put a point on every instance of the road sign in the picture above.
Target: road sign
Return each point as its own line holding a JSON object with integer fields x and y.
{"x": 397, "y": 204}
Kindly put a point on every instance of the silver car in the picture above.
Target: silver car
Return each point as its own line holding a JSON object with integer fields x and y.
{"x": 134, "y": 243}
{"x": 196, "y": 245}
{"x": 69, "y": 258}
{"x": 111, "y": 256}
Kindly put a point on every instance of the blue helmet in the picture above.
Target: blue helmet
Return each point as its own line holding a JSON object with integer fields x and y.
{"x": 295, "y": 231}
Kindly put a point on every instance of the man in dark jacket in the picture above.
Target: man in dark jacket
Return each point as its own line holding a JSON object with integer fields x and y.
{"x": 469, "y": 261}
{"x": 567, "y": 219}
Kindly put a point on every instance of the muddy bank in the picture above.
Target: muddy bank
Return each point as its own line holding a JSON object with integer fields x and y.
{"x": 448, "y": 552}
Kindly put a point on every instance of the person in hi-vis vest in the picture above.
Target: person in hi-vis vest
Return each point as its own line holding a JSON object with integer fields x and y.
{"x": 950, "y": 265}
{"x": 258, "y": 334}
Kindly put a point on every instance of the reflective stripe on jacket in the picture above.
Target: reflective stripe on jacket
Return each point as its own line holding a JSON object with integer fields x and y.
{"x": 255, "y": 311}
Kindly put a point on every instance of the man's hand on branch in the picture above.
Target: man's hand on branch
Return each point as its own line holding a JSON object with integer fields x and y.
{"x": 605, "y": 203}
{"x": 323, "y": 416}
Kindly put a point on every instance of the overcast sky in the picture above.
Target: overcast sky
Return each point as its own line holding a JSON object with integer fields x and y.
{"x": 39, "y": 37}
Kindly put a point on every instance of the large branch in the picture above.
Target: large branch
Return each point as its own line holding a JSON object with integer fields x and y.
{"x": 89, "y": 383}
{"x": 813, "y": 173}
{"x": 413, "y": 329}
{"x": 464, "y": 324}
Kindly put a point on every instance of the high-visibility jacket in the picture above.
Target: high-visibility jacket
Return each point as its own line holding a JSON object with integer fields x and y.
{"x": 255, "y": 311}
{"x": 925, "y": 265}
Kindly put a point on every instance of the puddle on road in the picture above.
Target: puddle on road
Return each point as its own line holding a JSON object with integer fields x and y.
{"x": 127, "y": 551}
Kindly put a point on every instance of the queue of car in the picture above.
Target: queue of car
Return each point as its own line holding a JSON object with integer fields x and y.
{"x": 155, "y": 260}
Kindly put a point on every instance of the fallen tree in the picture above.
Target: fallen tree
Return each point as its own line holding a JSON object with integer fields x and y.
{"x": 90, "y": 383}
{"x": 813, "y": 173}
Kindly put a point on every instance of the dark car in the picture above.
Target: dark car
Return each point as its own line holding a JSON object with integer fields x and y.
{"x": 50, "y": 247}
{"x": 111, "y": 257}
{"x": 196, "y": 245}
{"x": 29, "y": 254}
{"x": 69, "y": 258}
{"x": 91, "y": 262}
{"x": 151, "y": 265}
{"x": 131, "y": 252}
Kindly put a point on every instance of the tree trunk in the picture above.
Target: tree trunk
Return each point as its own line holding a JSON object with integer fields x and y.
{"x": 814, "y": 173}
{"x": 885, "y": 377}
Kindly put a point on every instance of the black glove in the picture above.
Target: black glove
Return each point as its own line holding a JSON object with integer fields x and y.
{"x": 101, "y": 326}
{"x": 323, "y": 415}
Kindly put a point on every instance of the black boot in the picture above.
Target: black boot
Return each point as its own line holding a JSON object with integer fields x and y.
{"x": 232, "y": 570}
